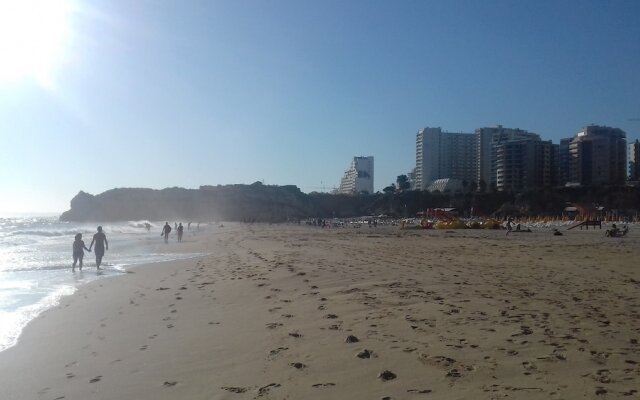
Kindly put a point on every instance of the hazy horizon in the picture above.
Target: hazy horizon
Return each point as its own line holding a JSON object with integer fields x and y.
{"x": 104, "y": 94}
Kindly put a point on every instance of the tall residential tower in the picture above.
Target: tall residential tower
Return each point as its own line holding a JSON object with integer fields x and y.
{"x": 359, "y": 177}
{"x": 634, "y": 161}
{"x": 443, "y": 155}
{"x": 597, "y": 155}
{"x": 487, "y": 141}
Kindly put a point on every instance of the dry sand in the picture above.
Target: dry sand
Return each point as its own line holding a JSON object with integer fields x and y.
{"x": 451, "y": 314}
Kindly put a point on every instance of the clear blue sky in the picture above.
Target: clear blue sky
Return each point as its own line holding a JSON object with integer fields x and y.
{"x": 189, "y": 93}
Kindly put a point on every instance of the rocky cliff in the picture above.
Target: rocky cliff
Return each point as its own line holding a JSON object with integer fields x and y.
{"x": 209, "y": 203}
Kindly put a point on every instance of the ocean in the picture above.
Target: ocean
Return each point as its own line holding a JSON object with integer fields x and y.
{"x": 36, "y": 258}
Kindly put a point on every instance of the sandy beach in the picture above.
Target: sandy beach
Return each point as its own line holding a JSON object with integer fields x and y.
{"x": 297, "y": 312}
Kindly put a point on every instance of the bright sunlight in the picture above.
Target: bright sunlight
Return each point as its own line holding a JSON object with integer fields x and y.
{"x": 33, "y": 37}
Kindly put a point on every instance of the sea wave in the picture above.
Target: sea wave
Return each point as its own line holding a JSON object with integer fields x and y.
{"x": 141, "y": 224}
{"x": 46, "y": 233}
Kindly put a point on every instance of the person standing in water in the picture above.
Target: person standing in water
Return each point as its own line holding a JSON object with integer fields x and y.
{"x": 165, "y": 231}
{"x": 78, "y": 251}
{"x": 100, "y": 239}
{"x": 180, "y": 231}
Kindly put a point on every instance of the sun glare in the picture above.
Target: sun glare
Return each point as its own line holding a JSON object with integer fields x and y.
{"x": 33, "y": 37}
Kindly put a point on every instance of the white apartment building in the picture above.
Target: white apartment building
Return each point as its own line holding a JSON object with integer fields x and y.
{"x": 633, "y": 157}
{"x": 487, "y": 141}
{"x": 442, "y": 155}
{"x": 359, "y": 177}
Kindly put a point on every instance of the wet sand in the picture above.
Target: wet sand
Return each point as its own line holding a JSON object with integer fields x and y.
{"x": 276, "y": 312}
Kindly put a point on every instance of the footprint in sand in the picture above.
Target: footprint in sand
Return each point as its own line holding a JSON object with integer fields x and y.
{"x": 351, "y": 339}
{"x": 386, "y": 375}
{"x": 423, "y": 391}
{"x": 600, "y": 391}
{"x": 233, "y": 389}
{"x": 319, "y": 385}
{"x": 454, "y": 373}
{"x": 265, "y": 389}
{"x": 277, "y": 351}
{"x": 365, "y": 354}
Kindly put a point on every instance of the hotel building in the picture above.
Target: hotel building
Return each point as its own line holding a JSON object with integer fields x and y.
{"x": 359, "y": 177}
{"x": 443, "y": 155}
{"x": 525, "y": 164}
{"x": 487, "y": 140}
{"x": 597, "y": 155}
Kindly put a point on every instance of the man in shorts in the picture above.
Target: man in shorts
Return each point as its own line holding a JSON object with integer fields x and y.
{"x": 101, "y": 244}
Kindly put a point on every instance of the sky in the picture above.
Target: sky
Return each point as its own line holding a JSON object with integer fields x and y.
{"x": 101, "y": 94}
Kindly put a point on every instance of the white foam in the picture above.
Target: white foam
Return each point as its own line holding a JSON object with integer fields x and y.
{"x": 13, "y": 322}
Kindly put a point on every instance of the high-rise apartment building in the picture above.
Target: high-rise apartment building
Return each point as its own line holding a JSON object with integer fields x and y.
{"x": 411, "y": 176}
{"x": 564, "y": 160}
{"x": 525, "y": 164}
{"x": 359, "y": 177}
{"x": 443, "y": 155}
{"x": 487, "y": 139}
{"x": 634, "y": 161}
{"x": 596, "y": 155}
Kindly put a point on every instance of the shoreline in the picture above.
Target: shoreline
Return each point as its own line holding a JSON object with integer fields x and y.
{"x": 267, "y": 313}
{"x": 57, "y": 281}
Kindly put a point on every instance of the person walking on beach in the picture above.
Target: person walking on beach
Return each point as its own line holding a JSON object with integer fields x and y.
{"x": 166, "y": 229}
{"x": 180, "y": 231}
{"x": 78, "y": 251}
{"x": 509, "y": 224}
{"x": 100, "y": 239}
